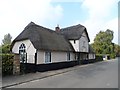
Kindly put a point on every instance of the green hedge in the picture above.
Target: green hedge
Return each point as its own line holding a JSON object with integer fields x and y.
{"x": 99, "y": 57}
{"x": 7, "y": 64}
{"x": 112, "y": 56}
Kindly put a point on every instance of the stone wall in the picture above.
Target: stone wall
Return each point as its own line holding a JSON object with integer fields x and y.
{"x": 16, "y": 65}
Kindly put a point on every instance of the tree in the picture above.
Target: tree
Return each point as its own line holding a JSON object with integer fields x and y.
{"x": 7, "y": 57}
{"x": 6, "y": 48}
{"x": 117, "y": 50}
{"x": 7, "y": 39}
{"x": 103, "y": 42}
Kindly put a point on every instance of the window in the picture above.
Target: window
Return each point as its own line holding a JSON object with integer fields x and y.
{"x": 68, "y": 55}
{"x": 83, "y": 43}
{"x": 23, "y": 54}
{"x": 84, "y": 46}
{"x": 47, "y": 57}
{"x": 74, "y": 41}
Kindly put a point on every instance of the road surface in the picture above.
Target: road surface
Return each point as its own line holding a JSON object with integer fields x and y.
{"x": 97, "y": 75}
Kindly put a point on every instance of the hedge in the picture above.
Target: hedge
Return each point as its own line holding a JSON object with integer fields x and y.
{"x": 109, "y": 56}
{"x": 112, "y": 56}
{"x": 99, "y": 57}
{"x": 7, "y": 64}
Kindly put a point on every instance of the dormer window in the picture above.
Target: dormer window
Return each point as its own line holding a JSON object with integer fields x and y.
{"x": 74, "y": 41}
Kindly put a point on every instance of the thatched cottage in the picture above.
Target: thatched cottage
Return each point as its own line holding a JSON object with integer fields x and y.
{"x": 40, "y": 45}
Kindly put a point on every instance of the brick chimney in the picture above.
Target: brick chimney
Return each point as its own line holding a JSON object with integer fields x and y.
{"x": 57, "y": 29}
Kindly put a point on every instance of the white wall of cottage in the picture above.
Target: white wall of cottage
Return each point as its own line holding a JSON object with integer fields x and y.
{"x": 40, "y": 57}
{"x": 81, "y": 45}
{"x": 30, "y": 50}
{"x": 56, "y": 56}
{"x": 75, "y": 45}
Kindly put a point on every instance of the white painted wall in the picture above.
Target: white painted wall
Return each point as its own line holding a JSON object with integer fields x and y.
{"x": 29, "y": 49}
{"x": 83, "y": 43}
{"x": 61, "y": 56}
{"x": 40, "y": 57}
{"x": 72, "y": 56}
{"x": 58, "y": 56}
{"x": 75, "y": 45}
{"x": 55, "y": 57}
{"x": 91, "y": 56}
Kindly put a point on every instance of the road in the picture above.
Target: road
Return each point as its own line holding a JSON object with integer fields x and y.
{"x": 98, "y": 75}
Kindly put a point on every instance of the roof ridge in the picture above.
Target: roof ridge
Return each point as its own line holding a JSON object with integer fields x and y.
{"x": 72, "y": 26}
{"x": 33, "y": 24}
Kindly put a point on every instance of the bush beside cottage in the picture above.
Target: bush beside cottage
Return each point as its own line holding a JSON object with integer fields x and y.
{"x": 7, "y": 64}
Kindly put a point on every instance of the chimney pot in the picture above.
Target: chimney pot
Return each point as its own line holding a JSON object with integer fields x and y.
{"x": 57, "y": 29}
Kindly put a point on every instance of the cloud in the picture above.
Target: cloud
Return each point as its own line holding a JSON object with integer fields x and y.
{"x": 112, "y": 25}
{"x": 16, "y": 14}
{"x": 100, "y": 12}
{"x": 99, "y": 8}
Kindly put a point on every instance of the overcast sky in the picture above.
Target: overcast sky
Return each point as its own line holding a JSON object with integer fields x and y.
{"x": 95, "y": 15}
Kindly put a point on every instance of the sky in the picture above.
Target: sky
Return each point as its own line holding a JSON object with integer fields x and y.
{"x": 95, "y": 15}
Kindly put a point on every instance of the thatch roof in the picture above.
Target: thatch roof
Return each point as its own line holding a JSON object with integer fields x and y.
{"x": 44, "y": 39}
{"x": 74, "y": 32}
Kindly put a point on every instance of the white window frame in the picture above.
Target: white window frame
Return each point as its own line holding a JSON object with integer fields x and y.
{"x": 22, "y": 52}
{"x": 48, "y": 57}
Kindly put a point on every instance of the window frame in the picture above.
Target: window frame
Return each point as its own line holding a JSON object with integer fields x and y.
{"x": 74, "y": 41}
{"x": 48, "y": 57}
{"x": 68, "y": 56}
{"x": 23, "y": 54}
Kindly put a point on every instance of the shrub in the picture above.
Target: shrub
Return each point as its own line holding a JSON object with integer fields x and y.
{"x": 99, "y": 57}
{"x": 7, "y": 64}
{"x": 5, "y": 48}
{"x": 112, "y": 56}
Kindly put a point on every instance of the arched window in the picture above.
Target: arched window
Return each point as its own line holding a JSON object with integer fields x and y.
{"x": 22, "y": 52}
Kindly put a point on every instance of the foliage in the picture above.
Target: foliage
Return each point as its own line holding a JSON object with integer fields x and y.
{"x": 117, "y": 50}
{"x": 112, "y": 55}
{"x": 5, "y": 48}
{"x": 99, "y": 57}
{"x": 7, "y": 39}
{"x": 7, "y": 64}
{"x": 103, "y": 43}
{"x": 0, "y": 49}
{"x": 7, "y": 57}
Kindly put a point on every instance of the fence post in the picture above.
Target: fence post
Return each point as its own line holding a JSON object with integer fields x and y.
{"x": 16, "y": 64}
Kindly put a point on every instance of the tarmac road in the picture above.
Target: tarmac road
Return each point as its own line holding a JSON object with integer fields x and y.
{"x": 97, "y": 75}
